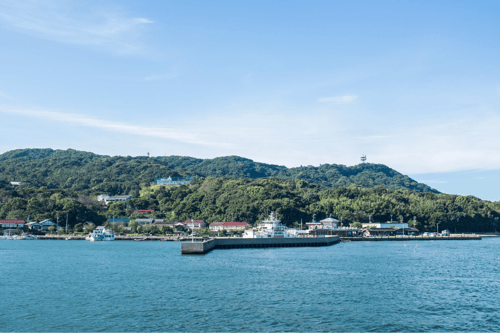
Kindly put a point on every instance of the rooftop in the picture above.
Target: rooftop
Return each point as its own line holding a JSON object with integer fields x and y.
{"x": 235, "y": 223}
{"x": 12, "y": 221}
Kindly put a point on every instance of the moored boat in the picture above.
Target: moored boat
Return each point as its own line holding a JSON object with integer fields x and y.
{"x": 101, "y": 234}
{"x": 272, "y": 228}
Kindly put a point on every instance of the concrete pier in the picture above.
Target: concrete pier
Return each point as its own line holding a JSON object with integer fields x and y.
{"x": 409, "y": 238}
{"x": 239, "y": 243}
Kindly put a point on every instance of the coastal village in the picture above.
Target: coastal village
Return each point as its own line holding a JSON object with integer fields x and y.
{"x": 146, "y": 225}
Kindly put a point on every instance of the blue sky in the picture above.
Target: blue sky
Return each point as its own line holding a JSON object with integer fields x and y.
{"x": 413, "y": 85}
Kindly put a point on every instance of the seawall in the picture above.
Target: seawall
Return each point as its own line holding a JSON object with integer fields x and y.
{"x": 239, "y": 243}
{"x": 409, "y": 238}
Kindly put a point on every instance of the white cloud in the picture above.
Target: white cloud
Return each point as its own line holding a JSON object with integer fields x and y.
{"x": 64, "y": 21}
{"x": 157, "y": 132}
{"x": 293, "y": 139}
{"x": 433, "y": 181}
{"x": 337, "y": 100}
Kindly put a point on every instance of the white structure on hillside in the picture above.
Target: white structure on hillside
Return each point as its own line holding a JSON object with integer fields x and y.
{"x": 116, "y": 198}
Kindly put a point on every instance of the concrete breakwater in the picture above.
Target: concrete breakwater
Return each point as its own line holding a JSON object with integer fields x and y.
{"x": 409, "y": 238}
{"x": 238, "y": 243}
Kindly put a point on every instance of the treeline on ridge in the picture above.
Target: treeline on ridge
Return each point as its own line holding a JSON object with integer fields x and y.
{"x": 84, "y": 171}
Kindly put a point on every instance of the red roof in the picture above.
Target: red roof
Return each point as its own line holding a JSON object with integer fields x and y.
{"x": 235, "y": 223}
{"x": 193, "y": 221}
{"x": 12, "y": 221}
{"x": 216, "y": 223}
{"x": 139, "y": 211}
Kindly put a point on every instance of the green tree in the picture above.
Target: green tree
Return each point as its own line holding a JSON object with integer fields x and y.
{"x": 88, "y": 228}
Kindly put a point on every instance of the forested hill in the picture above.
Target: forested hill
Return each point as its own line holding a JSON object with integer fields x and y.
{"x": 78, "y": 170}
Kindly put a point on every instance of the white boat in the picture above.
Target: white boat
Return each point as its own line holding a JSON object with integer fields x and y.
{"x": 101, "y": 234}
{"x": 271, "y": 228}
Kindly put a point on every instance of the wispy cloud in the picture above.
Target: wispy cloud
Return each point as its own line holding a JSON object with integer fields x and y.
{"x": 337, "y": 100}
{"x": 64, "y": 21}
{"x": 433, "y": 181}
{"x": 150, "y": 131}
{"x": 3, "y": 95}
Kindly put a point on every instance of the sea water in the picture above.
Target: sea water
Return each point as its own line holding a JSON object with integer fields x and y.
{"x": 150, "y": 286}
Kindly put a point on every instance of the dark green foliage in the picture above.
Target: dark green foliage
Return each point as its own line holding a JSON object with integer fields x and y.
{"x": 77, "y": 170}
{"x": 246, "y": 199}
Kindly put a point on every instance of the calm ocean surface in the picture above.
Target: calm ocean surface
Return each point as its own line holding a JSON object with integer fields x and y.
{"x": 149, "y": 286}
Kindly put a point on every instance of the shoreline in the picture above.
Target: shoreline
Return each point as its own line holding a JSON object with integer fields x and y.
{"x": 343, "y": 239}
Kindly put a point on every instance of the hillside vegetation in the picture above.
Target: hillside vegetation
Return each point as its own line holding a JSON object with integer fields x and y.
{"x": 245, "y": 199}
{"x": 78, "y": 170}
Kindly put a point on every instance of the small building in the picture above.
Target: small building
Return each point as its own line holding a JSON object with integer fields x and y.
{"x": 195, "y": 224}
{"x": 115, "y": 198}
{"x": 314, "y": 225}
{"x": 12, "y": 223}
{"x": 388, "y": 224}
{"x": 172, "y": 181}
{"x": 235, "y": 226}
{"x": 216, "y": 226}
{"x": 330, "y": 223}
{"x": 118, "y": 221}
{"x": 144, "y": 221}
{"x": 16, "y": 183}
{"x": 46, "y": 224}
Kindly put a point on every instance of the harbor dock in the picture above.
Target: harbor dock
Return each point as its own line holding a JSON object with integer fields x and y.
{"x": 409, "y": 238}
{"x": 238, "y": 243}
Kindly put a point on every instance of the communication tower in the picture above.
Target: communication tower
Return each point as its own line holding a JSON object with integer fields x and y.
{"x": 363, "y": 158}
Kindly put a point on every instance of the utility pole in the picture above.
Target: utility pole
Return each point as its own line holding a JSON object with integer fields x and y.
{"x": 66, "y": 223}
{"x": 437, "y": 226}
{"x": 57, "y": 225}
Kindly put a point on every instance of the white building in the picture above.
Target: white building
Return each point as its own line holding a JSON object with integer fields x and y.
{"x": 229, "y": 226}
{"x": 195, "y": 224}
{"x": 115, "y": 198}
{"x": 144, "y": 221}
{"x": 12, "y": 223}
{"x": 330, "y": 223}
{"x": 382, "y": 225}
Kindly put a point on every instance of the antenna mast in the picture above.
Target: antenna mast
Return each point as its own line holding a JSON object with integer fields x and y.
{"x": 363, "y": 158}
